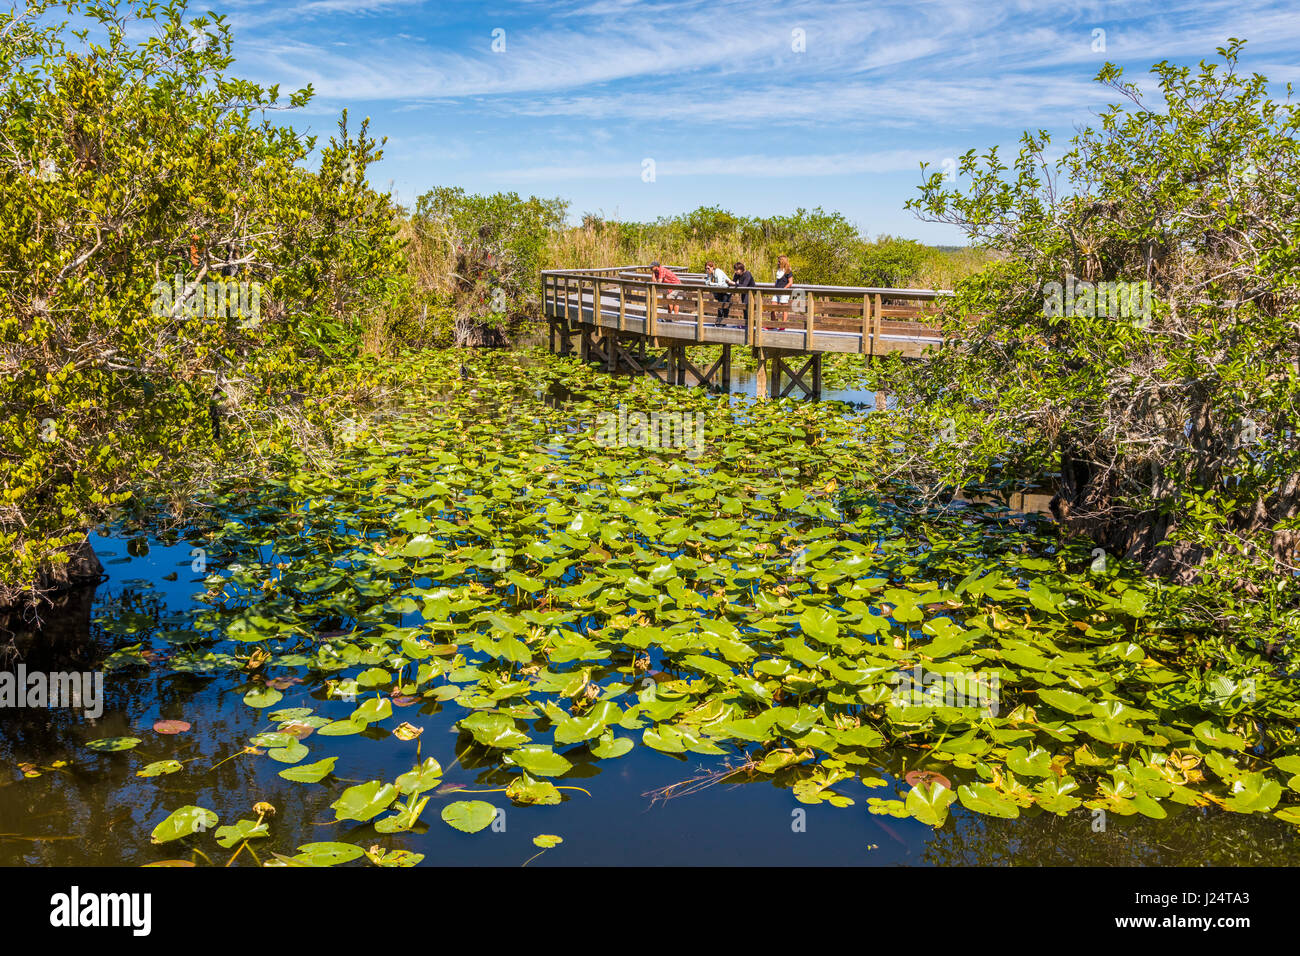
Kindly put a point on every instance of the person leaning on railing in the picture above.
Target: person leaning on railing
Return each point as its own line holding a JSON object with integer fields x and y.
{"x": 744, "y": 279}
{"x": 660, "y": 273}
{"x": 714, "y": 276}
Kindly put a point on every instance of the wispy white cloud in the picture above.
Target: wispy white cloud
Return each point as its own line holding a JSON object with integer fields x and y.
{"x": 750, "y": 166}
{"x": 249, "y": 15}
{"x": 959, "y": 62}
{"x": 960, "y": 102}
{"x": 725, "y": 88}
{"x": 562, "y": 55}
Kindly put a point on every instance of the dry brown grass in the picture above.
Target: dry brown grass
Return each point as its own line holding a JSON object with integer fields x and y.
{"x": 430, "y": 258}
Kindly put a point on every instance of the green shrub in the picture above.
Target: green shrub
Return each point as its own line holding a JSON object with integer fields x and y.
{"x": 140, "y": 186}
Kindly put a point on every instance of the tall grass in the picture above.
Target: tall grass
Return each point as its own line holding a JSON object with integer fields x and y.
{"x": 594, "y": 245}
{"x": 588, "y": 247}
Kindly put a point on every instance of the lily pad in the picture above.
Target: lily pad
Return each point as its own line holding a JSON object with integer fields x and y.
{"x": 184, "y": 822}
{"x": 310, "y": 772}
{"x": 365, "y": 801}
{"x": 469, "y": 816}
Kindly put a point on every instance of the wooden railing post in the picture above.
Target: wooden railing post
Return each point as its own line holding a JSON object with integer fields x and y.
{"x": 622, "y": 307}
{"x": 595, "y": 302}
{"x": 651, "y": 309}
{"x": 866, "y": 324}
{"x": 699, "y": 315}
{"x": 758, "y": 319}
{"x": 808, "y": 322}
{"x": 876, "y": 345}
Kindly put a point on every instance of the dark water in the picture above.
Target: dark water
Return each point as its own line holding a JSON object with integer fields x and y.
{"x": 744, "y": 384}
{"x": 96, "y": 811}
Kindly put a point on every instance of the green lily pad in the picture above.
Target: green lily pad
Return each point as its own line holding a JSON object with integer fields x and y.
{"x": 469, "y": 816}
{"x": 930, "y": 804}
{"x": 184, "y": 822}
{"x": 981, "y": 798}
{"x": 228, "y": 836}
{"x": 159, "y": 768}
{"x": 328, "y": 854}
{"x": 426, "y": 776}
{"x": 365, "y": 801}
{"x": 540, "y": 761}
{"x": 261, "y": 697}
{"x": 310, "y": 772}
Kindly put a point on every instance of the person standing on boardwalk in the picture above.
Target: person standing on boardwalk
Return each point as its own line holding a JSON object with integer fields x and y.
{"x": 716, "y": 277}
{"x": 784, "y": 279}
{"x": 744, "y": 279}
{"x": 660, "y": 273}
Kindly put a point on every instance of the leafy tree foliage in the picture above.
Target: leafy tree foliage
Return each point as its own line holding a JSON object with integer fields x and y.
{"x": 1173, "y": 432}
{"x": 890, "y": 262}
{"x": 515, "y": 228}
{"x": 140, "y": 185}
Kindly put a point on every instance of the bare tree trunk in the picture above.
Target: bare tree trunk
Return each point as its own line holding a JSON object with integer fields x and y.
{"x": 1089, "y": 502}
{"x": 471, "y": 333}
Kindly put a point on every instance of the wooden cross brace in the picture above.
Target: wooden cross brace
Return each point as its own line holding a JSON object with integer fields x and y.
{"x": 796, "y": 378}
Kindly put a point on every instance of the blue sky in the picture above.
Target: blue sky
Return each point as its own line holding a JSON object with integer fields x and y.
{"x": 759, "y": 108}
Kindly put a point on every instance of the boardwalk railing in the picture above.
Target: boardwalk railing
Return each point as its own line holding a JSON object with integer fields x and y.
{"x": 803, "y": 318}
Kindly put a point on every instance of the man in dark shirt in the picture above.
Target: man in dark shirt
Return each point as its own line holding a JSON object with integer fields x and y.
{"x": 742, "y": 278}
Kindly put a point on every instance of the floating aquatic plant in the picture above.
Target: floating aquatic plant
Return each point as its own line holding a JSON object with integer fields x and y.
{"x": 772, "y": 606}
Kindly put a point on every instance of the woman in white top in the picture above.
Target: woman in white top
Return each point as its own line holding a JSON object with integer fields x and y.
{"x": 784, "y": 279}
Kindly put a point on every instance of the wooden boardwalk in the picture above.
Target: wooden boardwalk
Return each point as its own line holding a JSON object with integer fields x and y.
{"x": 623, "y": 320}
